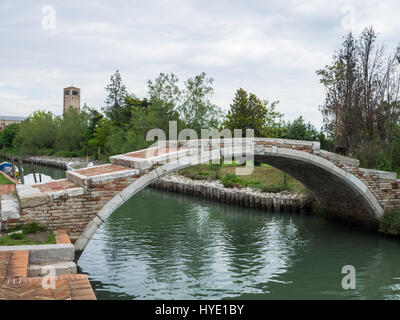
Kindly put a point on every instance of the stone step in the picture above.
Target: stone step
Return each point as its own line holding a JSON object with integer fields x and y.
{"x": 41, "y": 193}
{"x": 147, "y": 158}
{"x": 9, "y": 208}
{"x": 84, "y": 177}
{"x": 59, "y": 268}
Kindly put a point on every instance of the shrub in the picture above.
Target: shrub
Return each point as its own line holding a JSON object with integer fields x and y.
{"x": 274, "y": 188}
{"x": 33, "y": 228}
{"x": 231, "y": 180}
{"x": 17, "y": 236}
{"x": 390, "y": 222}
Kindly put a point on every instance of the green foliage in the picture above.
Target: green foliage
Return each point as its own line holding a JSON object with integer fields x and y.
{"x": 33, "y": 227}
{"x": 274, "y": 188}
{"x": 196, "y": 110}
{"x": 22, "y": 238}
{"x": 247, "y": 112}
{"x": 4, "y": 180}
{"x": 300, "y": 130}
{"x": 361, "y": 108}
{"x": 390, "y": 222}
{"x": 275, "y": 126}
{"x": 114, "y": 103}
{"x": 231, "y": 181}
{"x": 44, "y": 134}
{"x": 17, "y": 236}
{"x": 72, "y": 130}
{"x": 39, "y": 131}
{"x": 216, "y": 168}
{"x": 7, "y": 135}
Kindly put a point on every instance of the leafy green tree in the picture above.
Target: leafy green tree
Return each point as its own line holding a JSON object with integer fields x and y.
{"x": 275, "y": 125}
{"x": 94, "y": 120}
{"x": 37, "y": 133}
{"x": 248, "y": 112}
{"x": 165, "y": 90}
{"x": 196, "y": 110}
{"x": 97, "y": 144}
{"x": 72, "y": 132}
{"x": 7, "y": 135}
{"x": 115, "y": 99}
{"x": 300, "y": 130}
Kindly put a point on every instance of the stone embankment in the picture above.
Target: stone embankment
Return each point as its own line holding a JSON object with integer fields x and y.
{"x": 57, "y": 162}
{"x": 246, "y": 197}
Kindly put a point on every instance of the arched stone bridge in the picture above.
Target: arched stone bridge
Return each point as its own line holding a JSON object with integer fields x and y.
{"x": 87, "y": 197}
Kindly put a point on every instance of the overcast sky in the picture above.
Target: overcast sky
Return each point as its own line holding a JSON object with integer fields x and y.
{"x": 270, "y": 48}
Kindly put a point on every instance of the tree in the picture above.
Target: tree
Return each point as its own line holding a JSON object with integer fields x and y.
{"x": 115, "y": 99}
{"x": 362, "y": 109}
{"x": 275, "y": 125}
{"x": 98, "y": 142}
{"x": 37, "y": 133}
{"x": 248, "y": 112}
{"x": 196, "y": 110}
{"x": 72, "y": 132}
{"x": 165, "y": 90}
{"x": 94, "y": 120}
{"x": 7, "y": 135}
{"x": 300, "y": 130}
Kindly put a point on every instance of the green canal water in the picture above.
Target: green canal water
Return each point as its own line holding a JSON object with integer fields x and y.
{"x": 161, "y": 245}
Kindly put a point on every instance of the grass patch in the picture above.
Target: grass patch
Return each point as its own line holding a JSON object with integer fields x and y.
{"x": 4, "y": 180}
{"x": 390, "y": 222}
{"x": 23, "y": 237}
{"x": 264, "y": 177}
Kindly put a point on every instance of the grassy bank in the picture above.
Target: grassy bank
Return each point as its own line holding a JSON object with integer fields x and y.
{"x": 264, "y": 177}
{"x": 4, "y": 180}
{"x": 27, "y": 235}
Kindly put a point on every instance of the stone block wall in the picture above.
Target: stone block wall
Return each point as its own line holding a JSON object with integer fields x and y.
{"x": 73, "y": 213}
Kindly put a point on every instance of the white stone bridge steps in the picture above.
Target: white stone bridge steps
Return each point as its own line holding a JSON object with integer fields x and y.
{"x": 81, "y": 202}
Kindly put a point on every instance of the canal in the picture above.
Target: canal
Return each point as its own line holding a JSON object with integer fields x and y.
{"x": 161, "y": 245}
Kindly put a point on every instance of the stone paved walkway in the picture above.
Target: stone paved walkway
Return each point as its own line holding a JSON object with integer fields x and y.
{"x": 94, "y": 171}
{"x": 7, "y": 189}
{"x": 16, "y": 285}
{"x": 58, "y": 185}
{"x": 67, "y": 287}
{"x": 148, "y": 153}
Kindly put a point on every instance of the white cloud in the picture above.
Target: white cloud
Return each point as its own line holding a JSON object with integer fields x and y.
{"x": 270, "y": 48}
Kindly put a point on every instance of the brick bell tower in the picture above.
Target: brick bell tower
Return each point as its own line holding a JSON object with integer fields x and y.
{"x": 72, "y": 98}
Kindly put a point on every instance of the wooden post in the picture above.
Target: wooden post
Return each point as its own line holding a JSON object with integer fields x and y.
{"x": 13, "y": 169}
{"x": 33, "y": 171}
{"x": 40, "y": 177}
{"x": 21, "y": 171}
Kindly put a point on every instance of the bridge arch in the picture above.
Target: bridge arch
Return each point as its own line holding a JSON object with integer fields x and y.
{"x": 333, "y": 187}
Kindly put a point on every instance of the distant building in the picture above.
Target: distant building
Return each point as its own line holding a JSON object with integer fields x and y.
{"x": 7, "y": 120}
{"x": 72, "y": 98}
